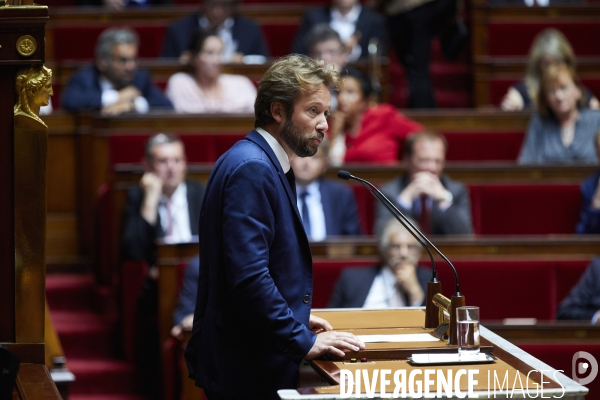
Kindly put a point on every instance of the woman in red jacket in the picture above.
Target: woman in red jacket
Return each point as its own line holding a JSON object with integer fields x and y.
{"x": 361, "y": 131}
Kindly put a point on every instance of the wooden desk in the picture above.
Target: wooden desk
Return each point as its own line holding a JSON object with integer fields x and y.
{"x": 509, "y": 358}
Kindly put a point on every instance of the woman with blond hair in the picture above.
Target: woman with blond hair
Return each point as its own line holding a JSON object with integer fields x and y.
{"x": 562, "y": 130}
{"x": 549, "y": 47}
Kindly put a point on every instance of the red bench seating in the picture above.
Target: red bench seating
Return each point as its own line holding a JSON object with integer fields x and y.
{"x": 514, "y": 38}
{"x": 506, "y": 209}
{"x": 503, "y": 288}
{"x": 560, "y": 356}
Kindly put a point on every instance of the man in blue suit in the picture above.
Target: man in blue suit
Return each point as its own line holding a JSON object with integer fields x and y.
{"x": 252, "y": 323}
{"x": 241, "y": 36}
{"x": 114, "y": 85}
{"x": 327, "y": 208}
{"x": 589, "y": 221}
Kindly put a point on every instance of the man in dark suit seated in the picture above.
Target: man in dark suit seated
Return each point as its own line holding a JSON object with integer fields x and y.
{"x": 327, "y": 208}
{"x": 355, "y": 24}
{"x": 398, "y": 282}
{"x": 241, "y": 36}
{"x": 442, "y": 206}
{"x": 164, "y": 205}
{"x": 114, "y": 85}
{"x": 589, "y": 222}
{"x": 583, "y": 303}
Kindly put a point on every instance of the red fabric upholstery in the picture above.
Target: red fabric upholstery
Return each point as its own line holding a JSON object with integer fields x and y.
{"x": 279, "y": 37}
{"x": 568, "y": 274}
{"x": 514, "y": 38}
{"x": 560, "y": 356}
{"x": 499, "y": 146}
{"x": 75, "y": 42}
{"x": 502, "y": 289}
{"x": 106, "y": 233}
{"x": 129, "y": 148}
{"x": 525, "y": 209}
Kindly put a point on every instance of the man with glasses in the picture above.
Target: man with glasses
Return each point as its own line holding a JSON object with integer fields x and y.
{"x": 242, "y": 38}
{"x": 398, "y": 282}
{"x": 115, "y": 84}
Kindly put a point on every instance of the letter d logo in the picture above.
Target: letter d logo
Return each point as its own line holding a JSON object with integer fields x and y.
{"x": 583, "y": 367}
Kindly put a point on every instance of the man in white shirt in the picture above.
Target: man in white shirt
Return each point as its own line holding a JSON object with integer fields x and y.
{"x": 398, "y": 282}
{"x": 115, "y": 84}
{"x": 327, "y": 208}
{"x": 356, "y": 25}
{"x": 164, "y": 205}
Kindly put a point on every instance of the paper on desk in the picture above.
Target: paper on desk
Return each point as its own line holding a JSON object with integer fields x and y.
{"x": 408, "y": 337}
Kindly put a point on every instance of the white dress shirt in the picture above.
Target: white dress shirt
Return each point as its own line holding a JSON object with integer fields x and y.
{"x": 543, "y": 3}
{"x": 280, "y": 153}
{"x": 175, "y": 217}
{"x": 110, "y": 96}
{"x": 345, "y": 26}
{"x": 316, "y": 214}
{"x": 384, "y": 292}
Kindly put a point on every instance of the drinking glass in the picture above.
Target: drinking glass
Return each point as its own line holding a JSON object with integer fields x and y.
{"x": 468, "y": 332}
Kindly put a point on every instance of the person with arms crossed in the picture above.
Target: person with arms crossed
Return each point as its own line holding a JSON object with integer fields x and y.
{"x": 252, "y": 322}
{"x": 440, "y": 204}
{"x": 589, "y": 221}
{"x": 583, "y": 303}
{"x": 398, "y": 282}
{"x": 115, "y": 84}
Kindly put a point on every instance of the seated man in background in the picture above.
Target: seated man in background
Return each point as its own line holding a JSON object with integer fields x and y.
{"x": 398, "y": 282}
{"x": 589, "y": 221}
{"x": 442, "y": 206}
{"x": 183, "y": 316}
{"x": 114, "y": 85}
{"x": 355, "y": 24}
{"x": 325, "y": 44}
{"x": 327, "y": 208}
{"x": 583, "y": 303}
{"x": 164, "y": 205}
{"x": 240, "y": 35}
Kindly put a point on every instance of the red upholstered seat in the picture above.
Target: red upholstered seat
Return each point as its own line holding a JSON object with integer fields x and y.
{"x": 76, "y": 42}
{"x": 514, "y": 38}
{"x": 468, "y": 146}
{"x": 201, "y": 148}
{"x": 279, "y": 37}
{"x": 560, "y": 356}
{"x": 525, "y": 209}
{"x": 568, "y": 274}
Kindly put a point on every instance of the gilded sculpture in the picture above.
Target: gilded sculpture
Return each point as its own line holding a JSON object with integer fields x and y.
{"x": 34, "y": 88}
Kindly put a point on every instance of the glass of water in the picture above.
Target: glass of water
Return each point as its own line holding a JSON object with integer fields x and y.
{"x": 468, "y": 332}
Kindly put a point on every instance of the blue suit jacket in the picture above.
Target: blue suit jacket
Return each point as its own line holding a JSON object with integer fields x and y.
{"x": 584, "y": 299}
{"x": 339, "y": 207}
{"x": 245, "y": 32}
{"x": 83, "y": 91}
{"x": 369, "y": 24}
{"x": 589, "y": 221}
{"x": 353, "y": 286}
{"x": 255, "y": 286}
{"x": 187, "y": 295}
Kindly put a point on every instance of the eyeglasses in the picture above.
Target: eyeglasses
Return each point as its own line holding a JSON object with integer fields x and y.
{"x": 397, "y": 246}
{"x": 320, "y": 53}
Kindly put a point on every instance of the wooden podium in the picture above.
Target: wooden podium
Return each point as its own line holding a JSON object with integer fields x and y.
{"x": 324, "y": 376}
{"x": 23, "y": 141}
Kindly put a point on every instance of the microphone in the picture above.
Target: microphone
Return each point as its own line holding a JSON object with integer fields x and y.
{"x": 433, "y": 286}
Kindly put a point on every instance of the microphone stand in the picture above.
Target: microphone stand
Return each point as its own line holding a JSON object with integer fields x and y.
{"x": 433, "y": 286}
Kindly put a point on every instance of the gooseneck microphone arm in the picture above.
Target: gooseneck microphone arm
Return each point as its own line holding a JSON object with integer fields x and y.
{"x": 404, "y": 221}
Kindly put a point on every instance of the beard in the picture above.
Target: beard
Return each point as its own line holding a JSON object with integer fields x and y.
{"x": 299, "y": 144}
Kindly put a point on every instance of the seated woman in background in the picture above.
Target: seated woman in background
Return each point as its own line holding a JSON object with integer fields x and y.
{"x": 205, "y": 89}
{"x": 549, "y": 47}
{"x": 364, "y": 132}
{"x": 562, "y": 131}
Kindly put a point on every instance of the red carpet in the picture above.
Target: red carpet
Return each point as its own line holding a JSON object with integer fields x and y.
{"x": 89, "y": 335}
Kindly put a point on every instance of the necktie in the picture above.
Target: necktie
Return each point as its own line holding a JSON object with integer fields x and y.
{"x": 304, "y": 212}
{"x": 291, "y": 180}
{"x": 425, "y": 217}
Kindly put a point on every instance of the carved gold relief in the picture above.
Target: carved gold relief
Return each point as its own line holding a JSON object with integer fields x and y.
{"x": 34, "y": 88}
{"x": 26, "y": 45}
